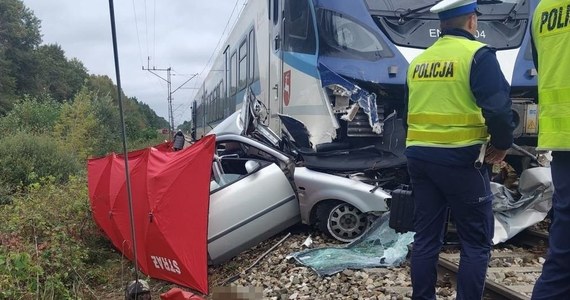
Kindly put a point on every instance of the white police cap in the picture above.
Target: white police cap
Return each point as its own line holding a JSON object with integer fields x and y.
{"x": 448, "y": 9}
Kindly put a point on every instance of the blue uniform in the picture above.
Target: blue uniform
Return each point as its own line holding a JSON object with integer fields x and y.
{"x": 446, "y": 177}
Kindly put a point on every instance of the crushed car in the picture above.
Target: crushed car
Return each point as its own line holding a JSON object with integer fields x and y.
{"x": 262, "y": 183}
{"x": 339, "y": 189}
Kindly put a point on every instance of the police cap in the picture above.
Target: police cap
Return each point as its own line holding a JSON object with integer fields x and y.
{"x": 448, "y": 9}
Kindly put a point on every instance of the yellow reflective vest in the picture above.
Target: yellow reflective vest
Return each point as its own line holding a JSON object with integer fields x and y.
{"x": 551, "y": 35}
{"x": 442, "y": 111}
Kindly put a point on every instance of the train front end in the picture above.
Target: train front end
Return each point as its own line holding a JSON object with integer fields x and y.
{"x": 365, "y": 49}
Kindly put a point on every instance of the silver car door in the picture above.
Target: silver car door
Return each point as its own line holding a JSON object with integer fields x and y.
{"x": 249, "y": 209}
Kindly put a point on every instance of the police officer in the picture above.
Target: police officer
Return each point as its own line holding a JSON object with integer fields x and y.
{"x": 550, "y": 31}
{"x": 457, "y": 97}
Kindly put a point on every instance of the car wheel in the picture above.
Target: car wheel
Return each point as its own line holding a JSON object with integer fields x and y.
{"x": 342, "y": 221}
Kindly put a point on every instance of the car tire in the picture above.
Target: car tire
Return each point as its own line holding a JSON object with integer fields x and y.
{"x": 342, "y": 221}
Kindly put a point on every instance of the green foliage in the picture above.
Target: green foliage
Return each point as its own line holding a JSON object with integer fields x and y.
{"x": 27, "y": 67}
{"x": 19, "y": 36}
{"x": 20, "y": 27}
{"x": 56, "y": 75}
{"x": 27, "y": 157}
{"x": 76, "y": 124}
{"x": 50, "y": 246}
{"x": 7, "y": 85}
{"x": 154, "y": 121}
{"x": 53, "y": 115}
{"x": 186, "y": 126}
{"x": 32, "y": 115}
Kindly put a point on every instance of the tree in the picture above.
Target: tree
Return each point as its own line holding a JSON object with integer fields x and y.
{"x": 7, "y": 85}
{"x": 55, "y": 75}
{"x": 186, "y": 126}
{"x": 19, "y": 36}
{"x": 32, "y": 115}
{"x": 140, "y": 121}
{"x": 152, "y": 118}
{"x": 79, "y": 127}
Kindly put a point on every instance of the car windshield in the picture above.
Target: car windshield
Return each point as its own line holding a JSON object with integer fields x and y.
{"x": 409, "y": 23}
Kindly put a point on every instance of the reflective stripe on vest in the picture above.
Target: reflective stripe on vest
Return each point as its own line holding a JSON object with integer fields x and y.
{"x": 442, "y": 111}
{"x": 551, "y": 35}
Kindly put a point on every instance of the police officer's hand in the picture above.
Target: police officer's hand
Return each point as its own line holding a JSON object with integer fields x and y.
{"x": 494, "y": 155}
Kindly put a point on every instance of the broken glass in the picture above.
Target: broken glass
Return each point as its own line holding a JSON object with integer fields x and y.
{"x": 380, "y": 246}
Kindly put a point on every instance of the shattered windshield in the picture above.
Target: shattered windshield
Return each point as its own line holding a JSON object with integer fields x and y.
{"x": 409, "y": 23}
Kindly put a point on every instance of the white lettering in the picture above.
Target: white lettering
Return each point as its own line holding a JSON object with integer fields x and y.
{"x": 167, "y": 264}
{"x": 434, "y": 33}
{"x": 176, "y": 268}
{"x": 159, "y": 260}
{"x": 155, "y": 262}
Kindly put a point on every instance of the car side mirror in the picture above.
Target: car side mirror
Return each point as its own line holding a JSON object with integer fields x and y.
{"x": 252, "y": 166}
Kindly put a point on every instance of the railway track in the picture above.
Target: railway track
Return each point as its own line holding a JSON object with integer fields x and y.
{"x": 512, "y": 270}
{"x": 531, "y": 238}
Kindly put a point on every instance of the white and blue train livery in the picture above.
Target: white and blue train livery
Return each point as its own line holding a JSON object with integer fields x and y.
{"x": 340, "y": 66}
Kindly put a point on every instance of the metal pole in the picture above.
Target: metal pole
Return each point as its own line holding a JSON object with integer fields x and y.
{"x": 124, "y": 136}
{"x": 170, "y": 112}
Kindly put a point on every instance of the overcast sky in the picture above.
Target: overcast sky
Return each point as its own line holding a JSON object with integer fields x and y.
{"x": 180, "y": 34}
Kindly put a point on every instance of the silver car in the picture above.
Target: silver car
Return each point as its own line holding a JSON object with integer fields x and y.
{"x": 263, "y": 183}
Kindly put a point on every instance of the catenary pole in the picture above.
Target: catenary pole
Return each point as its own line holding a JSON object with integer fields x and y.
{"x": 169, "y": 84}
{"x": 124, "y": 136}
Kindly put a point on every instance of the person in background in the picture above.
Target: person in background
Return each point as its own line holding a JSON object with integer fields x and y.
{"x": 550, "y": 33}
{"x": 179, "y": 140}
{"x": 457, "y": 98}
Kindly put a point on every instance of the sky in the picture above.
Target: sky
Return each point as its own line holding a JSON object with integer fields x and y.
{"x": 179, "y": 34}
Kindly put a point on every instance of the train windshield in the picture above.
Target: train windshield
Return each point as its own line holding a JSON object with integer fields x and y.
{"x": 343, "y": 37}
{"x": 409, "y": 23}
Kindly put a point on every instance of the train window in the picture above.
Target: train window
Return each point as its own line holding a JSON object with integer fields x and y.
{"x": 227, "y": 73}
{"x": 220, "y": 101}
{"x": 275, "y": 11}
{"x": 344, "y": 37}
{"x": 298, "y": 27}
{"x": 208, "y": 110}
{"x": 217, "y": 103}
{"x": 211, "y": 108}
{"x": 252, "y": 57}
{"x": 233, "y": 73}
{"x": 242, "y": 79}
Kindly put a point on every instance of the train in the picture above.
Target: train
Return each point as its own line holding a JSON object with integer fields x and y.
{"x": 339, "y": 67}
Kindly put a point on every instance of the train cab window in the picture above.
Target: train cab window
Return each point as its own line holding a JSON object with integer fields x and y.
{"x": 299, "y": 35}
{"x": 242, "y": 79}
{"x": 344, "y": 37}
{"x": 233, "y": 74}
{"x": 502, "y": 25}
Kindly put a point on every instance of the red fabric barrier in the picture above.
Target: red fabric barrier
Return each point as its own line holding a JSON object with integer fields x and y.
{"x": 170, "y": 198}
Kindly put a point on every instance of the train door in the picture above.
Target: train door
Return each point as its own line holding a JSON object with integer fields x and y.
{"x": 275, "y": 82}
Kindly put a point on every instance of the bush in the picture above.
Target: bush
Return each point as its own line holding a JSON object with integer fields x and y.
{"x": 26, "y": 157}
{"x": 37, "y": 115}
{"x": 50, "y": 247}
